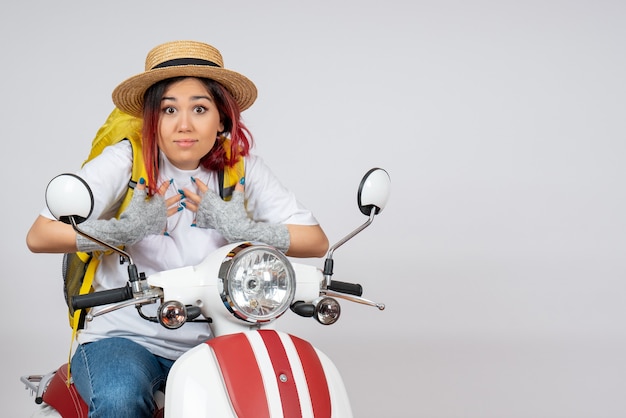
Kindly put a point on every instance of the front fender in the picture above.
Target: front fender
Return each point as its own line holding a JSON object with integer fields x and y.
{"x": 255, "y": 374}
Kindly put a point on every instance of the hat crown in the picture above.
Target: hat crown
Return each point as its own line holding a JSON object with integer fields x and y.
{"x": 182, "y": 59}
{"x": 183, "y": 50}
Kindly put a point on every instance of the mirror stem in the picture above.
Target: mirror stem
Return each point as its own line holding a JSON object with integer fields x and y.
{"x": 104, "y": 244}
{"x": 133, "y": 275}
{"x": 328, "y": 265}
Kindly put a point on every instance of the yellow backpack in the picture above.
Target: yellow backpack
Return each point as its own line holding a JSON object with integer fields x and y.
{"x": 79, "y": 268}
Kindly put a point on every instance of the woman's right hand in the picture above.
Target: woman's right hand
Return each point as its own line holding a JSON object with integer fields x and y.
{"x": 144, "y": 216}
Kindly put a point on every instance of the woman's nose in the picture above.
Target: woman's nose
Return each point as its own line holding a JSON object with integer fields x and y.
{"x": 184, "y": 122}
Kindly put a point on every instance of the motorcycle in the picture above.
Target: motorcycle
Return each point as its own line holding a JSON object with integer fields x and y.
{"x": 249, "y": 368}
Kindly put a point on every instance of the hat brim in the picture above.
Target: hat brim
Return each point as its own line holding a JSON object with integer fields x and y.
{"x": 128, "y": 96}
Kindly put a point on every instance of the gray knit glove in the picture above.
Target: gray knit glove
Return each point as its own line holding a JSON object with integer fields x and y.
{"x": 142, "y": 217}
{"x": 232, "y": 221}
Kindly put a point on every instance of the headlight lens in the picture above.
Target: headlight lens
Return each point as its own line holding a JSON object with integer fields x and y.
{"x": 258, "y": 283}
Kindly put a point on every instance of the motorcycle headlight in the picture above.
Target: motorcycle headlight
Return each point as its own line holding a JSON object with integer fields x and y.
{"x": 258, "y": 283}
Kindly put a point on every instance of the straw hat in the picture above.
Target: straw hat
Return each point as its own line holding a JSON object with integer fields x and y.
{"x": 182, "y": 58}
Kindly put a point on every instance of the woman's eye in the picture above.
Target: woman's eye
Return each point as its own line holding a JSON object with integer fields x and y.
{"x": 199, "y": 109}
{"x": 169, "y": 110}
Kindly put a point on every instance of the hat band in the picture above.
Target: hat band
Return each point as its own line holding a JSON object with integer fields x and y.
{"x": 185, "y": 61}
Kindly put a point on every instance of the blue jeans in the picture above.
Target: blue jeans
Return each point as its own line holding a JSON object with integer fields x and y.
{"x": 117, "y": 377}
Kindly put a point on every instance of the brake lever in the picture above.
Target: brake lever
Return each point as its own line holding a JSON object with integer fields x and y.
{"x": 149, "y": 296}
{"x": 357, "y": 299}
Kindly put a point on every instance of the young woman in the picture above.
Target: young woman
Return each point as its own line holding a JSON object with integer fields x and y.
{"x": 190, "y": 105}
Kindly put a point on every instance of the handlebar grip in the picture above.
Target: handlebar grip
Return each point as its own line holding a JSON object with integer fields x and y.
{"x": 103, "y": 297}
{"x": 343, "y": 287}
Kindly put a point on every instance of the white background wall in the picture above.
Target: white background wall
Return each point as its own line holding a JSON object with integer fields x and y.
{"x": 501, "y": 253}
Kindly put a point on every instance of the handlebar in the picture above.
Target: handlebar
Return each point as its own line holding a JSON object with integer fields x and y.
{"x": 103, "y": 297}
{"x": 348, "y": 288}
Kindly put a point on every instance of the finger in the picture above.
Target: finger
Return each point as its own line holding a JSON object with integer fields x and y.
{"x": 202, "y": 188}
{"x": 139, "y": 192}
{"x": 163, "y": 187}
{"x": 189, "y": 205}
{"x": 141, "y": 184}
{"x": 240, "y": 185}
{"x": 191, "y": 196}
{"x": 171, "y": 211}
{"x": 171, "y": 201}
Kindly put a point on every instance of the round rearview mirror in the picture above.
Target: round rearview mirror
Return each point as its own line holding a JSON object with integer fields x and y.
{"x": 69, "y": 196}
{"x": 374, "y": 191}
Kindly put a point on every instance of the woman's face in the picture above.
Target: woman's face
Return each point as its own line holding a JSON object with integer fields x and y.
{"x": 188, "y": 123}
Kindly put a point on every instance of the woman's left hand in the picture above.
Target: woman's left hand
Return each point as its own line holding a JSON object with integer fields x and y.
{"x": 299, "y": 240}
{"x": 192, "y": 199}
{"x": 231, "y": 219}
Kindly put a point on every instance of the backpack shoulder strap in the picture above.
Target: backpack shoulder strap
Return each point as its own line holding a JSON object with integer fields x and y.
{"x": 138, "y": 171}
{"x": 121, "y": 126}
{"x": 230, "y": 176}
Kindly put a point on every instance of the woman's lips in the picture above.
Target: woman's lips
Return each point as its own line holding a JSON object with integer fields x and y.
{"x": 185, "y": 143}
